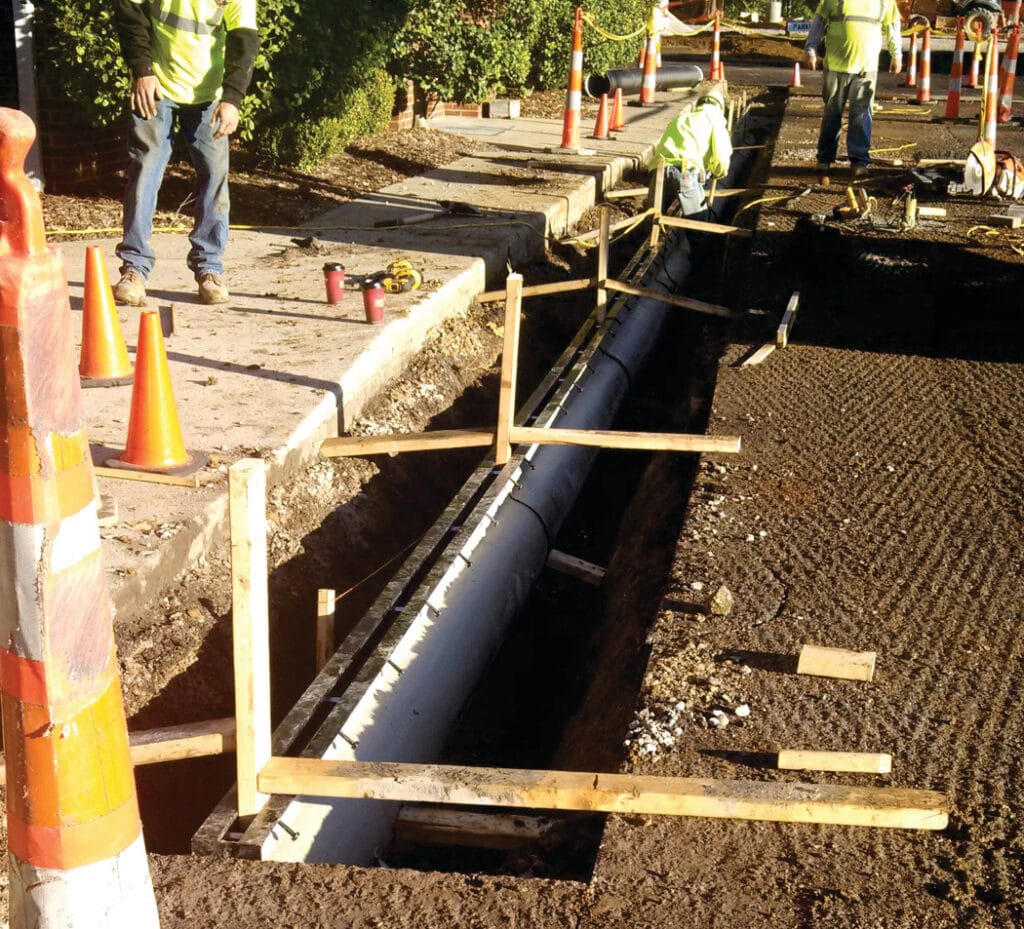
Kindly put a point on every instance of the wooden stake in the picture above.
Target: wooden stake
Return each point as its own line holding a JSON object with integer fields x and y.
{"x": 836, "y": 662}
{"x": 174, "y": 743}
{"x": 609, "y": 793}
{"x": 788, "y": 318}
{"x": 681, "y": 222}
{"x": 637, "y": 441}
{"x": 247, "y": 492}
{"x": 355, "y": 445}
{"x": 686, "y": 303}
{"x": 850, "y": 762}
{"x": 602, "y": 266}
{"x": 539, "y": 290}
{"x": 147, "y": 477}
{"x": 576, "y": 567}
{"x": 324, "y": 627}
{"x": 758, "y": 356}
{"x": 509, "y": 366}
{"x": 654, "y": 202}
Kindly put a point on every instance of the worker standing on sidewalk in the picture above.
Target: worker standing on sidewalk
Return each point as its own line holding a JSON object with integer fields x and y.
{"x": 852, "y": 31}
{"x": 695, "y": 147}
{"x": 191, "y": 63}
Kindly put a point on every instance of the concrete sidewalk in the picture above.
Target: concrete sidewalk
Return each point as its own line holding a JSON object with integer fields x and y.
{"x": 277, "y": 370}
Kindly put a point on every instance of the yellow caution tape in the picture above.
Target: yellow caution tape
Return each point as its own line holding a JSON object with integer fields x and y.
{"x": 591, "y": 21}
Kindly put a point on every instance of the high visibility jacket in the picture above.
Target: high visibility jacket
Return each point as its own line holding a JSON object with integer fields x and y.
{"x": 698, "y": 139}
{"x": 199, "y": 50}
{"x": 853, "y": 36}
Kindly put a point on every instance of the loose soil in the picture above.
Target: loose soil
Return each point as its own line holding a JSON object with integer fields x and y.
{"x": 876, "y": 505}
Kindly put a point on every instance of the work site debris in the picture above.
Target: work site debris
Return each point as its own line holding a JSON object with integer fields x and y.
{"x": 721, "y": 603}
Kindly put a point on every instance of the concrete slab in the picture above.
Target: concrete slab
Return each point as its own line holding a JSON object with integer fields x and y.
{"x": 277, "y": 370}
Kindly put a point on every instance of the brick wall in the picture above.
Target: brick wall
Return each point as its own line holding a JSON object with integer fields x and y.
{"x": 411, "y": 102}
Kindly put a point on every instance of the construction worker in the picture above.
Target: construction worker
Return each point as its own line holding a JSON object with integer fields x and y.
{"x": 695, "y": 147}
{"x": 191, "y": 63}
{"x": 852, "y": 32}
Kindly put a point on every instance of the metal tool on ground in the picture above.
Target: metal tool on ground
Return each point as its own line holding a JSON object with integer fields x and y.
{"x": 399, "y": 277}
{"x": 448, "y": 208}
{"x": 858, "y": 204}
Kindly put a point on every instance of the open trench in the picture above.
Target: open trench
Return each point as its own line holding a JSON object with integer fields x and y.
{"x": 562, "y": 690}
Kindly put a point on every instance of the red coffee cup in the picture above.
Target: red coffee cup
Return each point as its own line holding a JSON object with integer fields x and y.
{"x": 334, "y": 278}
{"x": 373, "y": 301}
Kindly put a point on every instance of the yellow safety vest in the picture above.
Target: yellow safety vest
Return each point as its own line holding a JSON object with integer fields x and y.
{"x": 188, "y": 39}
{"x": 853, "y": 40}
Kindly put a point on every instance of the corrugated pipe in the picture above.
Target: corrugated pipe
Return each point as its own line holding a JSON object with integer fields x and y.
{"x": 628, "y": 80}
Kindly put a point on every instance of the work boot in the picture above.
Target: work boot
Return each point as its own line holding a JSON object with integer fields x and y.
{"x": 212, "y": 289}
{"x": 823, "y": 173}
{"x": 859, "y": 171}
{"x": 131, "y": 289}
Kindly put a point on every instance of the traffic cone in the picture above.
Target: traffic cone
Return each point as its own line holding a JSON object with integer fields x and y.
{"x": 715, "y": 72}
{"x": 795, "y": 80}
{"x": 601, "y": 126}
{"x": 154, "y": 435}
{"x": 104, "y": 360}
{"x": 911, "y": 80}
{"x": 618, "y": 112}
{"x": 574, "y": 93}
{"x": 956, "y": 74}
{"x": 650, "y": 76}
{"x": 990, "y": 99}
{"x": 1009, "y": 76}
{"x": 924, "y": 85}
{"x": 76, "y": 858}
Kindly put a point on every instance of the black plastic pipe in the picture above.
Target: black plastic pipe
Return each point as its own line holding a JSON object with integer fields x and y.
{"x": 628, "y": 80}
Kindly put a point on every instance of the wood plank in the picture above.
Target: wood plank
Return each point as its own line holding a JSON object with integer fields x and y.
{"x": 788, "y": 318}
{"x": 681, "y": 222}
{"x": 602, "y": 266}
{"x": 576, "y": 567}
{"x": 146, "y": 477}
{"x": 348, "y": 446}
{"x": 759, "y": 355}
{"x": 627, "y": 192}
{"x": 687, "y": 303}
{"x": 836, "y": 662}
{"x": 431, "y": 825}
{"x": 324, "y": 628}
{"x": 250, "y": 622}
{"x": 613, "y": 227}
{"x": 174, "y": 743}
{"x": 791, "y": 759}
{"x": 610, "y": 793}
{"x": 638, "y": 441}
{"x": 539, "y": 290}
{"x": 655, "y": 199}
{"x": 509, "y": 367}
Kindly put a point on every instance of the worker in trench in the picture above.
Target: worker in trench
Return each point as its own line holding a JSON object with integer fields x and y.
{"x": 852, "y": 33}
{"x": 191, "y": 62}
{"x": 695, "y": 148}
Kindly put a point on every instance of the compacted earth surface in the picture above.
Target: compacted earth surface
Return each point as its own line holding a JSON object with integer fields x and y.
{"x": 875, "y": 506}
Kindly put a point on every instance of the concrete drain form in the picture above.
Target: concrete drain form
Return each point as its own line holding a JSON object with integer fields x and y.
{"x": 395, "y": 686}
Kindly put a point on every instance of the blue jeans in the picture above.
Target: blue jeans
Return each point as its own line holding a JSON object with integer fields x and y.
{"x": 149, "y": 149}
{"x": 685, "y": 186}
{"x": 838, "y": 89}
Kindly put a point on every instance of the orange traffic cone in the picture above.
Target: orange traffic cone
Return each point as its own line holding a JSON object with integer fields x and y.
{"x": 618, "y": 113}
{"x": 601, "y": 126}
{"x": 795, "y": 80}
{"x": 154, "y": 436}
{"x": 104, "y": 361}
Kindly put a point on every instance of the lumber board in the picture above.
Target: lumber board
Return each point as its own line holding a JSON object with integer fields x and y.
{"x": 612, "y": 227}
{"x": 147, "y": 477}
{"x": 791, "y": 759}
{"x": 638, "y": 441}
{"x": 250, "y": 624}
{"x": 431, "y": 825}
{"x": 655, "y": 199}
{"x": 509, "y": 368}
{"x": 324, "y": 628}
{"x": 687, "y": 303}
{"x": 836, "y": 662}
{"x": 626, "y": 192}
{"x": 174, "y": 743}
{"x": 539, "y": 290}
{"x": 348, "y": 446}
{"x": 602, "y": 265}
{"x": 759, "y": 355}
{"x": 788, "y": 318}
{"x": 698, "y": 225}
{"x": 576, "y": 567}
{"x": 608, "y": 793}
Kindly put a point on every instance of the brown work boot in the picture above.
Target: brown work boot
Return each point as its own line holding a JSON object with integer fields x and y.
{"x": 824, "y": 173}
{"x": 212, "y": 289}
{"x": 131, "y": 289}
